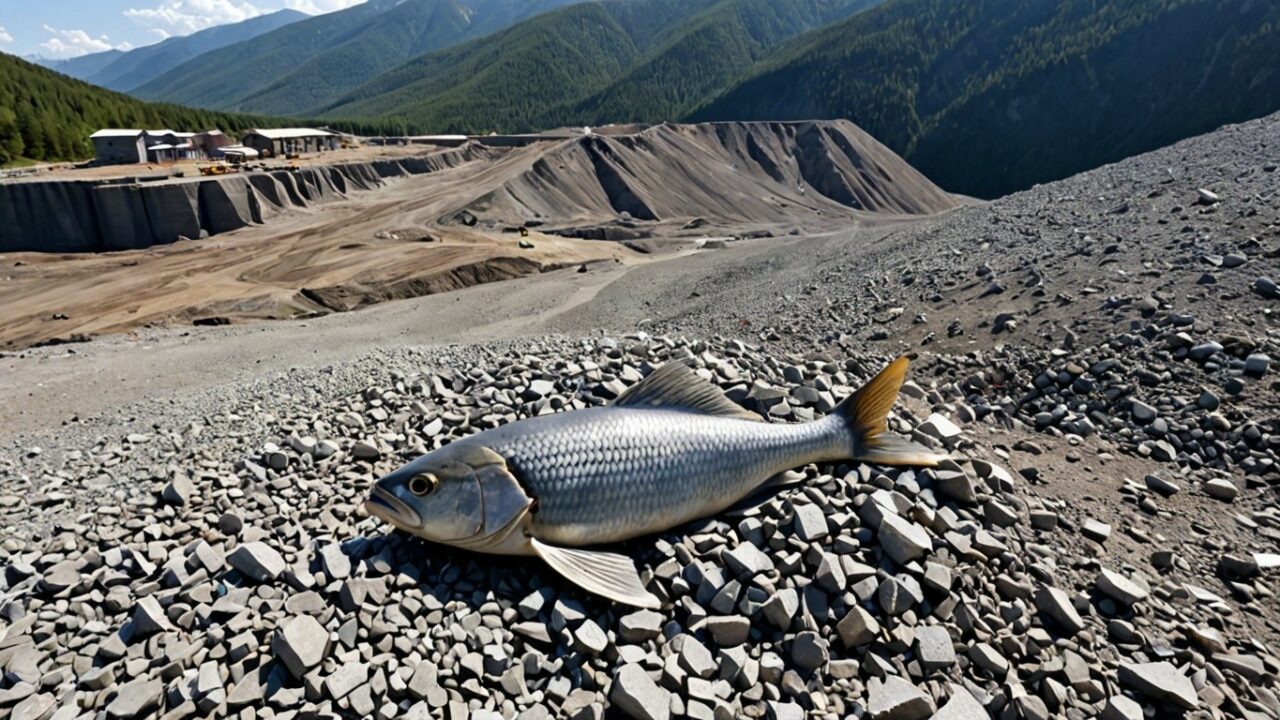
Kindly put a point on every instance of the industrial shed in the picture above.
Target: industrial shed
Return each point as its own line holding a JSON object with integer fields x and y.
{"x": 116, "y": 147}
{"x": 284, "y": 141}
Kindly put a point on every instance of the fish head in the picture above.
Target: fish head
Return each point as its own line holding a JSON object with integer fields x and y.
{"x": 461, "y": 494}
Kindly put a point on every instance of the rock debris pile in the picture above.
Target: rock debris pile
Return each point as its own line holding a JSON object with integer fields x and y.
{"x": 226, "y": 567}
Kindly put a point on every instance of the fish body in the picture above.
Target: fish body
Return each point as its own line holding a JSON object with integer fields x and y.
{"x": 670, "y": 450}
{"x": 603, "y": 475}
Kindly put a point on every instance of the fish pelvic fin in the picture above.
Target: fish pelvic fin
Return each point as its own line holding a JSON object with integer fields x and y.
{"x": 866, "y": 416}
{"x": 606, "y": 574}
{"x": 676, "y": 386}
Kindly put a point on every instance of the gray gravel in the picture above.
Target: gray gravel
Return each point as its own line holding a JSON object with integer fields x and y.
{"x": 1103, "y": 543}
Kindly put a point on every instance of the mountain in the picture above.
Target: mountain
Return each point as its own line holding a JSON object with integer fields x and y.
{"x": 299, "y": 67}
{"x": 48, "y": 116}
{"x": 136, "y": 67}
{"x": 991, "y": 96}
{"x": 643, "y": 60}
{"x": 79, "y": 67}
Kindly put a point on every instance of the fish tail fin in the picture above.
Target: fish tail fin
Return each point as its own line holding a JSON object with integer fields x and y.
{"x": 865, "y": 414}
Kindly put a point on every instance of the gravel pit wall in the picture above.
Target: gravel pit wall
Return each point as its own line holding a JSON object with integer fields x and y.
{"x": 94, "y": 216}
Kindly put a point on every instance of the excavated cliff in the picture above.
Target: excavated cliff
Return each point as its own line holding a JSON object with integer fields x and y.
{"x": 95, "y": 216}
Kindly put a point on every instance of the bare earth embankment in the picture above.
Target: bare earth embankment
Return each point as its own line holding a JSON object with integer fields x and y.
{"x": 184, "y": 504}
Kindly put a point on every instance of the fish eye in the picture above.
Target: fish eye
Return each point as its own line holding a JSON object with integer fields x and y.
{"x": 423, "y": 485}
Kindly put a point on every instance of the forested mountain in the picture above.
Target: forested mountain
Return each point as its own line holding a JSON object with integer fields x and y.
{"x": 129, "y": 70}
{"x": 645, "y": 60}
{"x": 48, "y": 116}
{"x": 990, "y": 96}
{"x": 79, "y": 67}
{"x": 307, "y": 64}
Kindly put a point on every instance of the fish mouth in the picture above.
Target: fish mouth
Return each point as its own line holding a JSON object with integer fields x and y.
{"x": 388, "y": 507}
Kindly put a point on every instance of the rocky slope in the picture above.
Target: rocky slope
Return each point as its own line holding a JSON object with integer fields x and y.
{"x": 819, "y": 173}
{"x": 1103, "y": 544}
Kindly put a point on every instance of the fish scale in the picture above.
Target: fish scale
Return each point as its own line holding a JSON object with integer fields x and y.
{"x": 613, "y": 473}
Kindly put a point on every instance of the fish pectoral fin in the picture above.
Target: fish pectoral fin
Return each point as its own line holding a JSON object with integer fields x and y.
{"x": 606, "y": 574}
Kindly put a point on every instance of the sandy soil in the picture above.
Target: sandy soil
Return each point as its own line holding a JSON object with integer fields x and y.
{"x": 372, "y": 240}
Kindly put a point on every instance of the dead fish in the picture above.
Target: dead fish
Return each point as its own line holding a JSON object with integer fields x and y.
{"x": 671, "y": 449}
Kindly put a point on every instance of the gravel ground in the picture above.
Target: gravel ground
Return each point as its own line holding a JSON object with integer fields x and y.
{"x": 1094, "y": 355}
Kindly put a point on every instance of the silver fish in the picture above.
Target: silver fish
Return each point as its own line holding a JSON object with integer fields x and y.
{"x": 670, "y": 450}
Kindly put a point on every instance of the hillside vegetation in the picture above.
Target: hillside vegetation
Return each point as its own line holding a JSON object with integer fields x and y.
{"x": 307, "y": 64}
{"x": 991, "y": 96}
{"x": 643, "y": 60}
{"x": 48, "y": 116}
{"x": 143, "y": 64}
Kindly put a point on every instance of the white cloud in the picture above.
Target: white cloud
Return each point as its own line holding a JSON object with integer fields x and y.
{"x": 5, "y": 37}
{"x": 320, "y": 7}
{"x": 183, "y": 17}
{"x": 74, "y": 43}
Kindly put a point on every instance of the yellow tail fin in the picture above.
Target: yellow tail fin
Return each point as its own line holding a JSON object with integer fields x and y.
{"x": 866, "y": 415}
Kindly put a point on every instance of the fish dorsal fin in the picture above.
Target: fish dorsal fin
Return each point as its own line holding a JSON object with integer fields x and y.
{"x": 606, "y": 574}
{"x": 675, "y": 385}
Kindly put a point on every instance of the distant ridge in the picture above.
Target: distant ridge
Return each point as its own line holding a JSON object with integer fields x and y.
{"x": 303, "y": 65}
{"x": 136, "y": 67}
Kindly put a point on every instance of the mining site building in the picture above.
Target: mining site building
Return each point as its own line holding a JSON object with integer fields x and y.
{"x": 279, "y": 142}
{"x": 117, "y": 147}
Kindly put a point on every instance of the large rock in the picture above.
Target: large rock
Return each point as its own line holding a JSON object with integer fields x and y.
{"x": 897, "y": 699}
{"x": 301, "y": 643}
{"x": 637, "y": 695}
{"x": 257, "y": 560}
{"x": 135, "y": 699}
{"x": 1160, "y": 681}
{"x": 902, "y": 539}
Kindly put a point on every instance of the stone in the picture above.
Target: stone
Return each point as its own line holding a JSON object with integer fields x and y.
{"x": 858, "y": 627}
{"x": 149, "y": 618}
{"x": 941, "y": 428}
{"x": 1161, "y": 486}
{"x": 301, "y": 643}
{"x": 1120, "y": 588}
{"x": 1160, "y": 681}
{"x": 636, "y": 694}
{"x": 730, "y": 630}
{"x": 782, "y": 607}
{"x": 640, "y": 626}
{"x": 809, "y": 651}
{"x": 258, "y": 561}
{"x": 1096, "y": 530}
{"x": 135, "y": 699}
{"x": 1267, "y": 288}
{"x": 1057, "y": 606}
{"x": 1119, "y": 707}
{"x": 179, "y": 490}
{"x": 902, "y": 539}
{"x": 988, "y": 658}
{"x": 1142, "y": 412}
{"x": 589, "y": 638}
{"x": 897, "y": 699}
{"x": 1221, "y": 489}
{"x": 335, "y": 562}
{"x": 934, "y": 648}
{"x": 35, "y": 707}
{"x": 346, "y": 678}
{"x": 810, "y": 523}
{"x": 961, "y": 706}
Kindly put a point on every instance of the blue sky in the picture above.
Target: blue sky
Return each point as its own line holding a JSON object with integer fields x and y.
{"x": 68, "y": 28}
